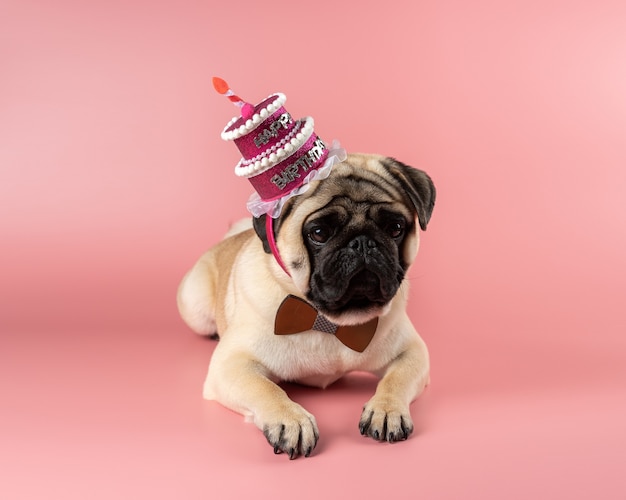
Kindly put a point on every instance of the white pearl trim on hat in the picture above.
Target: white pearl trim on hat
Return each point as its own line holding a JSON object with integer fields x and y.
{"x": 243, "y": 169}
{"x": 255, "y": 121}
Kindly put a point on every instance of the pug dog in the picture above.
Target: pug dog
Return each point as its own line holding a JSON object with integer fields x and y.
{"x": 346, "y": 245}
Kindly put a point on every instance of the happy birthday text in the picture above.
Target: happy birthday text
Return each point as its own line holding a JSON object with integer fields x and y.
{"x": 264, "y": 137}
{"x": 303, "y": 164}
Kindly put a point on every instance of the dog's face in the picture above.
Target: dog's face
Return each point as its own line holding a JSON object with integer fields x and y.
{"x": 349, "y": 239}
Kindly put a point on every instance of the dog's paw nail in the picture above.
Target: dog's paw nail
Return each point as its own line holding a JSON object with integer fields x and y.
{"x": 365, "y": 423}
{"x": 292, "y": 453}
{"x": 391, "y": 437}
{"x": 277, "y": 450}
{"x": 406, "y": 427}
{"x": 376, "y": 435}
{"x": 308, "y": 452}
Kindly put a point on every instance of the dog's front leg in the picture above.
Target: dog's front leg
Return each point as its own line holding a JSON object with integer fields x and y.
{"x": 240, "y": 382}
{"x": 386, "y": 417}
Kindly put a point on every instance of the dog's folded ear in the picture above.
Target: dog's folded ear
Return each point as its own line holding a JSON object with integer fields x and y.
{"x": 259, "y": 227}
{"x": 418, "y": 186}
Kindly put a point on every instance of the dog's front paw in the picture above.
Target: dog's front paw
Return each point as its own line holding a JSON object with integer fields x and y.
{"x": 293, "y": 431}
{"x": 386, "y": 421}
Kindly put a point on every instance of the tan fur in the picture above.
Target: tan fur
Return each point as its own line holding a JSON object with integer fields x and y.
{"x": 235, "y": 290}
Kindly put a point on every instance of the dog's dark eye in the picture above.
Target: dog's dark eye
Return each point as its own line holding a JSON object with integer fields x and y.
{"x": 395, "y": 229}
{"x": 320, "y": 234}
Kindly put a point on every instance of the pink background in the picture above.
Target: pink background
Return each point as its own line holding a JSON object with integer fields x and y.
{"x": 114, "y": 180}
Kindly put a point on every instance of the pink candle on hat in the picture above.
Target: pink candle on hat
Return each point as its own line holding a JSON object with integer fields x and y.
{"x": 247, "y": 109}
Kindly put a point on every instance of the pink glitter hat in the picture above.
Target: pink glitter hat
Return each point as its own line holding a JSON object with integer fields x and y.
{"x": 280, "y": 155}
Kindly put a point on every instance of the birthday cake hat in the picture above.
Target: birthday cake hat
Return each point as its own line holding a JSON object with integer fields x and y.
{"x": 280, "y": 155}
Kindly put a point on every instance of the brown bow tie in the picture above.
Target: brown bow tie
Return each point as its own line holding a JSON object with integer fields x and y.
{"x": 297, "y": 316}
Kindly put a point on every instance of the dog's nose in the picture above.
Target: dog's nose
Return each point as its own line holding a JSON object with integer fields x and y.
{"x": 362, "y": 244}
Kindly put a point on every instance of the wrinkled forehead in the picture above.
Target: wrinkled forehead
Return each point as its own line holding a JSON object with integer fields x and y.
{"x": 351, "y": 189}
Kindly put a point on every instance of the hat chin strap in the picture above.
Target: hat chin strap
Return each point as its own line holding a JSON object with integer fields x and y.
{"x": 269, "y": 230}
